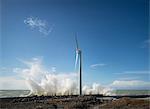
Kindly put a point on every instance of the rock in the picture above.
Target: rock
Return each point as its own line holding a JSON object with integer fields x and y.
{"x": 39, "y": 107}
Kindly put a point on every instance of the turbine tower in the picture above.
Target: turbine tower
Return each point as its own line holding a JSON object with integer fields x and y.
{"x": 79, "y": 62}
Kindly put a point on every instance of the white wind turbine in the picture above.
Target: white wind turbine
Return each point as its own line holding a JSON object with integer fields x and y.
{"x": 78, "y": 61}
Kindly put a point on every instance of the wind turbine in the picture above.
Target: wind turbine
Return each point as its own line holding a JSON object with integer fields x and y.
{"x": 79, "y": 61}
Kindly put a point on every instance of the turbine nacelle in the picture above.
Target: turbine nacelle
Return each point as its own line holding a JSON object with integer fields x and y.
{"x": 78, "y": 51}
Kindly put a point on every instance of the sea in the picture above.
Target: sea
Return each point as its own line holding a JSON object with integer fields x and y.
{"x": 23, "y": 93}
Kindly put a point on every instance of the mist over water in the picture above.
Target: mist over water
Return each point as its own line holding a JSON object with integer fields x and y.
{"x": 44, "y": 82}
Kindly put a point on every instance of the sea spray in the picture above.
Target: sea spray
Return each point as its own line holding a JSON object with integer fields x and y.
{"x": 43, "y": 82}
{"x": 96, "y": 89}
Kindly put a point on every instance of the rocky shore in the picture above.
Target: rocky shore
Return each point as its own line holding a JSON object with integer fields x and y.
{"x": 74, "y": 102}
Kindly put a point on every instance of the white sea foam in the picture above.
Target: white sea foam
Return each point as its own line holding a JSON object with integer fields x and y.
{"x": 43, "y": 82}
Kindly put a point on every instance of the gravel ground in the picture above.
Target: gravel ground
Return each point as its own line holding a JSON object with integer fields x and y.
{"x": 78, "y": 102}
{"x": 127, "y": 103}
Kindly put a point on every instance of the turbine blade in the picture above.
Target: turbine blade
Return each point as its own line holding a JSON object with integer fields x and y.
{"x": 77, "y": 46}
{"x": 76, "y": 61}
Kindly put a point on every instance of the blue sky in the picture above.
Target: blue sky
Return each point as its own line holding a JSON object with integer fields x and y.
{"x": 113, "y": 36}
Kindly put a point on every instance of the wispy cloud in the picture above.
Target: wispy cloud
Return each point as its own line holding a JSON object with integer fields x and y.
{"x": 134, "y": 72}
{"x": 129, "y": 78}
{"x": 38, "y": 24}
{"x": 5, "y": 69}
{"x": 130, "y": 84}
{"x": 97, "y": 65}
{"x": 145, "y": 43}
{"x": 133, "y": 75}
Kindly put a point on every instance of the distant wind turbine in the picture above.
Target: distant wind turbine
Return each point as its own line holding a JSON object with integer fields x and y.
{"x": 79, "y": 61}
